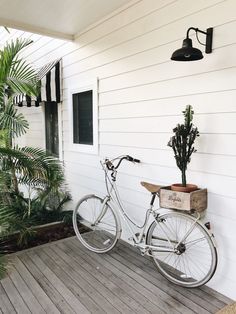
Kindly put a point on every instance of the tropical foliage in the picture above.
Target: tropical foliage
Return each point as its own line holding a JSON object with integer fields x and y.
{"x": 29, "y": 178}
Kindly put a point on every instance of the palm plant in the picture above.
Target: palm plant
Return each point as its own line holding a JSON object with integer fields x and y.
{"x": 21, "y": 166}
{"x": 41, "y": 175}
{"x": 15, "y": 77}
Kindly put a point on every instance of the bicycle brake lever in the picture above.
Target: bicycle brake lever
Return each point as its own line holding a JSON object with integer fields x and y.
{"x": 113, "y": 176}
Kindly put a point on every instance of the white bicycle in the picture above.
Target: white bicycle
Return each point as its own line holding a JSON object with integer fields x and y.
{"x": 181, "y": 246}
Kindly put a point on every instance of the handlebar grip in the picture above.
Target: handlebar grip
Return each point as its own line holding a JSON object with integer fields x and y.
{"x": 129, "y": 158}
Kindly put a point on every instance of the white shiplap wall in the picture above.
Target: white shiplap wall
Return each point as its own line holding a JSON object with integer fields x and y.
{"x": 141, "y": 96}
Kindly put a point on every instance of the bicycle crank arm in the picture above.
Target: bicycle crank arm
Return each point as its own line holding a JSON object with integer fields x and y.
{"x": 147, "y": 248}
{"x": 163, "y": 250}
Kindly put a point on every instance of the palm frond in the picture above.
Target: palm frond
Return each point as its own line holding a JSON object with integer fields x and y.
{"x": 2, "y": 95}
{"x": 13, "y": 121}
{"x": 32, "y": 165}
{"x": 16, "y": 76}
{"x": 8, "y": 54}
{"x": 6, "y": 213}
{"x": 7, "y": 29}
{"x": 23, "y": 78}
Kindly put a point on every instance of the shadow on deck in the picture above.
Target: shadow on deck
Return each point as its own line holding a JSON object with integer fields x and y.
{"x": 64, "y": 277}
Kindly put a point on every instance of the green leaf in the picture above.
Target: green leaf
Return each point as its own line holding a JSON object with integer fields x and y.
{"x": 13, "y": 121}
{"x": 16, "y": 76}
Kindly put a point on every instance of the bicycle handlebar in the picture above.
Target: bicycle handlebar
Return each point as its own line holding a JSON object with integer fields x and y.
{"x": 110, "y": 165}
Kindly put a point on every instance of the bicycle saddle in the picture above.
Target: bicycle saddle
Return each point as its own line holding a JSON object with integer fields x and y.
{"x": 153, "y": 188}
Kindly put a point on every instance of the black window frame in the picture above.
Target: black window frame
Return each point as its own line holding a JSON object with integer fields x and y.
{"x": 83, "y": 117}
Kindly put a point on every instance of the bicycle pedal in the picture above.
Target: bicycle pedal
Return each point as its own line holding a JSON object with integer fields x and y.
{"x": 138, "y": 235}
{"x": 145, "y": 251}
{"x": 108, "y": 241}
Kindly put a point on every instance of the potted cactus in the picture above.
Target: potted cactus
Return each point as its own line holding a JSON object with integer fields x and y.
{"x": 182, "y": 143}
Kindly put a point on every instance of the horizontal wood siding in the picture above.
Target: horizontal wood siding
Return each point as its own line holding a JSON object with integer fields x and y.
{"x": 35, "y": 133}
{"x": 142, "y": 94}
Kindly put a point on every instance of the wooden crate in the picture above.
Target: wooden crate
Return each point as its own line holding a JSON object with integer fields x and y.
{"x": 196, "y": 200}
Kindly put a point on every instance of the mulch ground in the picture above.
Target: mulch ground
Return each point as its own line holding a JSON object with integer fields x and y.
{"x": 40, "y": 237}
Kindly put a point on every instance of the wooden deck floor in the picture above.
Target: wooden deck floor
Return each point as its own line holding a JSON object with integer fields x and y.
{"x": 63, "y": 277}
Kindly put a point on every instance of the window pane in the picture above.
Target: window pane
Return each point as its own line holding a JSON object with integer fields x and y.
{"x": 83, "y": 118}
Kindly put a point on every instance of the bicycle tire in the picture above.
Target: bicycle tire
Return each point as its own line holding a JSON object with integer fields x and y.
{"x": 195, "y": 260}
{"x": 100, "y": 235}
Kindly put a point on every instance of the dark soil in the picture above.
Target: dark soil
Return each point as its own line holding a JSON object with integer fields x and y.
{"x": 40, "y": 237}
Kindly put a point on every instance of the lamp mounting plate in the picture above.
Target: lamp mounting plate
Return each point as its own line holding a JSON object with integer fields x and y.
{"x": 209, "y": 35}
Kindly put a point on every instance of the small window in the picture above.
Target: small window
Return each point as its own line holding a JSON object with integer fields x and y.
{"x": 83, "y": 118}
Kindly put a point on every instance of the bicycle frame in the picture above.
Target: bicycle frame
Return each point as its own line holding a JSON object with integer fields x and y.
{"x": 115, "y": 202}
{"x": 173, "y": 240}
{"x": 113, "y": 199}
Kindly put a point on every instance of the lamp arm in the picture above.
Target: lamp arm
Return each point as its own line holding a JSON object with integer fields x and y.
{"x": 196, "y": 30}
{"x": 209, "y": 35}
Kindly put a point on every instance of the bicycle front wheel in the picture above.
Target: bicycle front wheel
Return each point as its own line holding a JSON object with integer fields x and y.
{"x": 95, "y": 224}
{"x": 182, "y": 249}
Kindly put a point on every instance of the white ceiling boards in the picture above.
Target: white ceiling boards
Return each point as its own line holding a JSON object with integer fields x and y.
{"x": 57, "y": 18}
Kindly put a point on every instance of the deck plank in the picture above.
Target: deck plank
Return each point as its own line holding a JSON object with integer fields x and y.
{"x": 111, "y": 301}
{"x": 205, "y": 307}
{"x": 114, "y": 288}
{"x": 203, "y": 292}
{"x": 35, "y": 288}
{"x": 14, "y": 296}
{"x": 129, "y": 296}
{"x": 5, "y": 303}
{"x": 150, "y": 291}
{"x": 74, "y": 303}
{"x": 74, "y": 271}
{"x": 64, "y": 273}
{"x": 26, "y": 294}
{"x": 64, "y": 277}
{"x": 139, "y": 302}
{"x": 45, "y": 283}
{"x": 197, "y": 296}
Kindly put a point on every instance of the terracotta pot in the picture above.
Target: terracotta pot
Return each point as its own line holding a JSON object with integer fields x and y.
{"x": 179, "y": 188}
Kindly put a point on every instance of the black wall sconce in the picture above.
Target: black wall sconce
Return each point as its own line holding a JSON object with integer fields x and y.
{"x": 188, "y": 52}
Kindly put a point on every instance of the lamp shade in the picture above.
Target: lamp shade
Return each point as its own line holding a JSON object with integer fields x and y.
{"x": 187, "y": 52}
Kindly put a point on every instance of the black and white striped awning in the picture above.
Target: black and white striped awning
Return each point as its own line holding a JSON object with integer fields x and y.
{"x": 50, "y": 90}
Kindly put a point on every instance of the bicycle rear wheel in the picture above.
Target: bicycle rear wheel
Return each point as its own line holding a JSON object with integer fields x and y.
{"x": 96, "y": 224}
{"x": 188, "y": 263}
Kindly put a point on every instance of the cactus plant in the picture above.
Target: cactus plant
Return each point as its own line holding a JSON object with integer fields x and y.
{"x": 182, "y": 142}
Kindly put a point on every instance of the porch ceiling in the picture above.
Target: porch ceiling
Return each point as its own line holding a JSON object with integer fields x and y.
{"x": 57, "y": 18}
